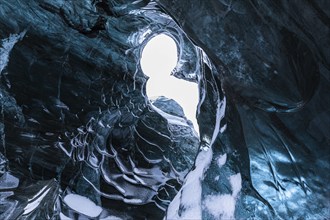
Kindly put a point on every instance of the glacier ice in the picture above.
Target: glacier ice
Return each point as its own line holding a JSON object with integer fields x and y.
{"x": 77, "y": 121}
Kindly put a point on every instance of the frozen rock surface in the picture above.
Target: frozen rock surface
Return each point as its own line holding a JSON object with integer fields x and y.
{"x": 75, "y": 120}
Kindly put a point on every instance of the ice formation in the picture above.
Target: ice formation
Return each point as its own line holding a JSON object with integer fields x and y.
{"x": 82, "y": 137}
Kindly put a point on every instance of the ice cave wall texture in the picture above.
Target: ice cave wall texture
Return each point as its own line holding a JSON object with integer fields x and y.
{"x": 81, "y": 140}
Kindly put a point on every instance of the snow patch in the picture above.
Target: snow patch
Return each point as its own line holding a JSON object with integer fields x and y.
{"x": 82, "y": 205}
{"x": 222, "y": 160}
{"x": 221, "y": 207}
{"x": 190, "y": 195}
{"x": 221, "y": 110}
{"x": 236, "y": 184}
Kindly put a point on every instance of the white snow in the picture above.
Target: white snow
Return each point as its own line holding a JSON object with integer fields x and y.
{"x": 190, "y": 195}
{"x": 189, "y": 198}
{"x": 171, "y": 118}
{"x": 221, "y": 109}
{"x": 222, "y": 160}
{"x": 223, "y": 206}
{"x": 236, "y": 184}
{"x": 223, "y": 128}
{"x": 82, "y": 205}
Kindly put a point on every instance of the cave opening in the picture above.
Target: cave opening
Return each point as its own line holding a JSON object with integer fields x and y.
{"x": 158, "y": 61}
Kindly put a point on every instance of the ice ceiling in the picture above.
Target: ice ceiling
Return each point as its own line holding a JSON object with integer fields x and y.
{"x": 80, "y": 138}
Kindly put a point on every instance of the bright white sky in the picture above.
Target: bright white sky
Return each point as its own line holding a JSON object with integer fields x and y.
{"x": 159, "y": 58}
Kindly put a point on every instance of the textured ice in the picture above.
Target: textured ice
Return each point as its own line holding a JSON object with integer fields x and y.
{"x": 35, "y": 201}
{"x": 76, "y": 117}
{"x": 6, "y": 46}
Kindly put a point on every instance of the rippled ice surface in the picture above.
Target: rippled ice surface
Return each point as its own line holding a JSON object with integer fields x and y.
{"x": 82, "y": 138}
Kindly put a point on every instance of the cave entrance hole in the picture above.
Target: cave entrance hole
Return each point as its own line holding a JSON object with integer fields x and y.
{"x": 159, "y": 58}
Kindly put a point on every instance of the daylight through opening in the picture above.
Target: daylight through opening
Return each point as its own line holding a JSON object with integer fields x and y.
{"x": 159, "y": 58}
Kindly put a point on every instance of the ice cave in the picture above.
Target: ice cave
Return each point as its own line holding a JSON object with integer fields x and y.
{"x": 164, "y": 109}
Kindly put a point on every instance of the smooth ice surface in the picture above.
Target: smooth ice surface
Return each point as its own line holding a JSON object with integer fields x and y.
{"x": 82, "y": 205}
{"x": 64, "y": 217}
{"x": 8, "y": 181}
{"x": 159, "y": 58}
